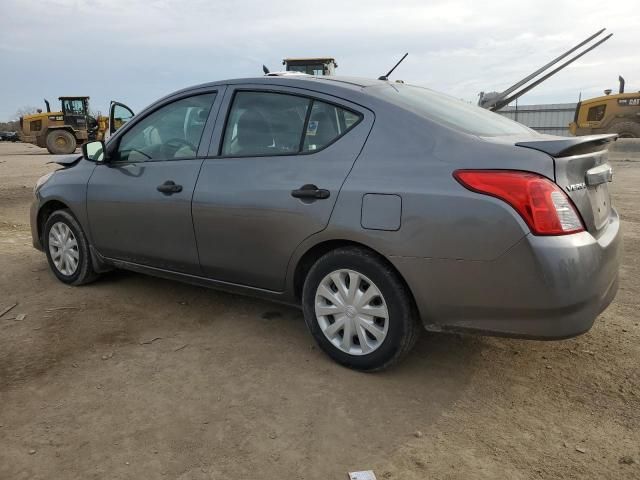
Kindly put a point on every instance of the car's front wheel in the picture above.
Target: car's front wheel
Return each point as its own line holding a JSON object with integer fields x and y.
{"x": 67, "y": 249}
{"x": 359, "y": 310}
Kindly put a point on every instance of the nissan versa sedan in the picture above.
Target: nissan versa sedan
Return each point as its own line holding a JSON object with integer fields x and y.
{"x": 381, "y": 208}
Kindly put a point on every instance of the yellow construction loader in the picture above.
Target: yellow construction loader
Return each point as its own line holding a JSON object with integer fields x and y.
{"x": 618, "y": 113}
{"x": 63, "y": 131}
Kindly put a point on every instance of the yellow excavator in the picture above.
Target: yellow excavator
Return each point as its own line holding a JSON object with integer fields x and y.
{"x": 61, "y": 132}
{"x": 618, "y": 113}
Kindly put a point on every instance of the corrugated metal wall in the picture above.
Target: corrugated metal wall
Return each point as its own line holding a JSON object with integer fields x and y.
{"x": 553, "y": 118}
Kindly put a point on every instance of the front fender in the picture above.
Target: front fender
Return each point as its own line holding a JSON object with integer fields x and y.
{"x": 68, "y": 188}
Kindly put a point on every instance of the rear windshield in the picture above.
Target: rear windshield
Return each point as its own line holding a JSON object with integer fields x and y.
{"x": 451, "y": 111}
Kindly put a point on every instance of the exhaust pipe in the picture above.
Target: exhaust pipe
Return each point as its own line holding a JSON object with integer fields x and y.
{"x": 46, "y": 102}
{"x": 621, "y": 80}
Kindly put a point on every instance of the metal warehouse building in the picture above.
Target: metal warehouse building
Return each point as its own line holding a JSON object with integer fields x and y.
{"x": 553, "y": 118}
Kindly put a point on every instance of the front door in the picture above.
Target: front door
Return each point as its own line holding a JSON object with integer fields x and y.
{"x": 280, "y": 161}
{"x": 119, "y": 114}
{"x": 139, "y": 201}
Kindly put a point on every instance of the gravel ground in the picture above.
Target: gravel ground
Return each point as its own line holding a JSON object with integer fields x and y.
{"x": 138, "y": 377}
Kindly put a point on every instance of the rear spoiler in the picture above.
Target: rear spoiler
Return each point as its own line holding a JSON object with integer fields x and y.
{"x": 565, "y": 147}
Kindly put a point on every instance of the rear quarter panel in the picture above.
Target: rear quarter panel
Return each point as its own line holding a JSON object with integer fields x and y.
{"x": 414, "y": 158}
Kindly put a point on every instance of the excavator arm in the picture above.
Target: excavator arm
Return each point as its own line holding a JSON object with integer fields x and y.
{"x": 496, "y": 100}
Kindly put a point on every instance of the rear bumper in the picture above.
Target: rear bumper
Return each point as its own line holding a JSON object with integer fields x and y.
{"x": 543, "y": 287}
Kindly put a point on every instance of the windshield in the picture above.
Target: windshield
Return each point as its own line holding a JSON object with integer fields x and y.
{"x": 451, "y": 111}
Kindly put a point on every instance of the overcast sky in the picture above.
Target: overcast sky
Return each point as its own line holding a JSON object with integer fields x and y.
{"x": 136, "y": 51}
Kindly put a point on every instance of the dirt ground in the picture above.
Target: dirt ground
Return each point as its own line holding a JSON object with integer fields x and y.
{"x": 137, "y": 377}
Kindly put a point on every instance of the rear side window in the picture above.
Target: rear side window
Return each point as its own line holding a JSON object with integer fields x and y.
{"x": 268, "y": 123}
{"x": 264, "y": 123}
{"x": 450, "y": 111}
{"x": 595, "y": 114}
{"x": 326, "y": 123}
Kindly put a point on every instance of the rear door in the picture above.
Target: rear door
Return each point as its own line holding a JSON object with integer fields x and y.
{"x": 277, "y": 163}
{"x": 139, "y": 203}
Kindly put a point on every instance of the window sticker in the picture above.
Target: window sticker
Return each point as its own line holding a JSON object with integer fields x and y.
{"x": 312, "y": 128}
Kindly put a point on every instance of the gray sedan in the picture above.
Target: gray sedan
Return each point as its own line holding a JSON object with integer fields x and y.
{"x": 381, "y": 208}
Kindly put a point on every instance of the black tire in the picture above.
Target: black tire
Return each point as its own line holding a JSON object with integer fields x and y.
{"x": 403, "y": 323}
{"x": 61, "y": 142}
{"x": 84, "y": 272}
{"x": 625, "y": 129}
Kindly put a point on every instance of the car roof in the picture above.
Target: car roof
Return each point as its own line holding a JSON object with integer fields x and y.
{"x": 297, "y": 80}
{"x": 359, "y": 81}
{"x": 356, "y": 89}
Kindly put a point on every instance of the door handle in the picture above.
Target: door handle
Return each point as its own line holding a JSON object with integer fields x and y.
{"x": 169, "y": 187}
{"x": 310, "y": 192}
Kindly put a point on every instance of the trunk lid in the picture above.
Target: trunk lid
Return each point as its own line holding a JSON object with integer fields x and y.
{"x": 583, "y": 172}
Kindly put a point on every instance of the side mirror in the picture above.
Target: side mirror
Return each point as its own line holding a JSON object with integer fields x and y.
{"x": 94, "y": 151}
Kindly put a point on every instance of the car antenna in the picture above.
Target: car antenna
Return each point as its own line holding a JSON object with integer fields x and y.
{"x": 265, "y": 70}
{"x": 386, "y": 77}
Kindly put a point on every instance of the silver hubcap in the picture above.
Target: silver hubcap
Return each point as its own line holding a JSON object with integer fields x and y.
{"x": 351, "y": 312}
{"x": 63, "y": 248}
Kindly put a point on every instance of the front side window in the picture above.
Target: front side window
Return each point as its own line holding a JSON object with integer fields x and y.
{"x": 596, "y": 114}
{"x": 170, "y": 133}
{"x": 267, "y": 123}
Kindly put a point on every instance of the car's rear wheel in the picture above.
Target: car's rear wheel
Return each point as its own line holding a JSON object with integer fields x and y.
{"x": 67, "y": 249}
{"x": 359, "y": 310}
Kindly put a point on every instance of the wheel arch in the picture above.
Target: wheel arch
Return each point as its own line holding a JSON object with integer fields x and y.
{"x": 46, "y": 210}
{"x": 313, "y": 253}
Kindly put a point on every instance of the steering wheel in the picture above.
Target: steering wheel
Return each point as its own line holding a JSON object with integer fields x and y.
{"x": 176, "y": 143}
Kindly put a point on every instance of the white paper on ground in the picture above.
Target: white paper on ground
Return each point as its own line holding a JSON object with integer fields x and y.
{"x": 364, "y": 475}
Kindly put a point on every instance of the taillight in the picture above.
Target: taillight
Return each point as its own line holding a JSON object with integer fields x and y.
{"x": 540, "y": 202}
